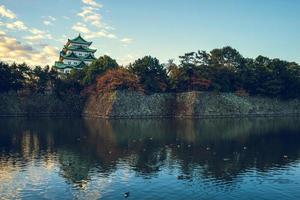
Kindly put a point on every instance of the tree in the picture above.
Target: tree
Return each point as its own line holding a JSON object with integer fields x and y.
{"x": 291, "y": 81}
{"x": 223, "y": 70}
{"x": 174, "y": 74}
{"x": 41, "y": 78}
{"x": 118, "y": 79}
{"x": 98, "y": 67}
{"x": 194, "y": 72}
{"x": 217, "y": 70}
{"x": 153, "y": 75}
{"x": 12, "y": 77}
{"x": 5, "y": 77}
{"x": 226, "y": 64}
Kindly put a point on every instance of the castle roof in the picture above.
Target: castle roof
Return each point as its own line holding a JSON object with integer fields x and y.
{"x": 79, "y": 48}
{"x": 79, "y": 40}
{"x": 80, "y": 65}
{"x": 61, "y": 65}
{"x": 90, "y": 57}
{"x": 73, "y": 56}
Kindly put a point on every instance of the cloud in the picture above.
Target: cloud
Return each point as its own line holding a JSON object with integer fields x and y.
{"x": 49, "y": 20}
{"x": 110, "y": 35}
{"x": 52, "y": 18}
{"x": 91, "y": 17}
{"x": 126, "y": 40}
{"x": 4, "y": 12}
{"x": 82, "y": 28}
{"x": 47, "y": 23}
{"x": 46, "y": 56}
{"x": 38, "y": 37}
{"x": 12, "y": 50}
{"x": 17, "y": 25}
{"x": 92, "y": 3}
{"x": 89, "y": 14}
{"x": 36, "y": 31}
{"x": 92, "y": 24}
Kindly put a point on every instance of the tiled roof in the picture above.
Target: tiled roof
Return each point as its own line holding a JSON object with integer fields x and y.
{"x": 79, "y": 40}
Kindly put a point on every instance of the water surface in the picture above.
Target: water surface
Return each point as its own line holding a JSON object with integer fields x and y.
{"x": 59, "y": 158}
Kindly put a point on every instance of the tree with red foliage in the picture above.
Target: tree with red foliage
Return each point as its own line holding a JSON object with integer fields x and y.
{"x": 118, "y": 79}
{"x": 199, "y": 83}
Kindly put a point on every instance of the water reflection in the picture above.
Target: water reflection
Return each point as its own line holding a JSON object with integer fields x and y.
{"x": 99, "y": 158}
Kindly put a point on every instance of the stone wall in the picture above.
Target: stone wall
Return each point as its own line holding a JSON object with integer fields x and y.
{"x": 137, "y": 105}
{"x": 188, "y": 104}
{"x": 38, "y": 105}
{"x": 129, "y": 105}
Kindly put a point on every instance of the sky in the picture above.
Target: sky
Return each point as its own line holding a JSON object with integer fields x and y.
{"x": 34, "y": 31}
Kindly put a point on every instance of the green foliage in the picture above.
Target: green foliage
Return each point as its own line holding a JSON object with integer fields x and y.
{"x": 217, "y": 69}
{"x": 70, "y": 83}
{"x": 21, "y": 77}
{"x": 226, "y": 70}
{"x": 98, "y": 67}
{"x": 42, "y": 79}
{"x": 153, "y": 76}
{"x": 220, "y": 70}
{"x": 187, "y": 76}
{"x": 12, "y": 77}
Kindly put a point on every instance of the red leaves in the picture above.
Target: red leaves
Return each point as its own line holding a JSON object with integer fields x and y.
{"x": 242, "y": 93}
{"x": 118, "y": 79}
{"x": 200, "y": 82}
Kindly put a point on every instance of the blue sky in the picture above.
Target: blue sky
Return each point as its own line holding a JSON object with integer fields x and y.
{"x": 34, "y": 30}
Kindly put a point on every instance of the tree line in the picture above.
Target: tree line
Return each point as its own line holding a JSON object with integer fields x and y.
{"x": 220, "y": 70}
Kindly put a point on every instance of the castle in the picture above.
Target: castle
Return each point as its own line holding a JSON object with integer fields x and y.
{"x": 75, "y": 54}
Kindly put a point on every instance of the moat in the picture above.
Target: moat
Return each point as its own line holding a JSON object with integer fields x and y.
{"x": 74, "y": 158}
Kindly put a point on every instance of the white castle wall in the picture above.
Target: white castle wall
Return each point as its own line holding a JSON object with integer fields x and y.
{"x": 75, "y": 62}
{"x": 71, "y": 62}
{"x": 78, "y": 53}
{"x": 87, "y": 62}
{"x": 73, "y": 44}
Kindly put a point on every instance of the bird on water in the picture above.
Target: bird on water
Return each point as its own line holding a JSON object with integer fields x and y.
{"x": 126, "y": 194}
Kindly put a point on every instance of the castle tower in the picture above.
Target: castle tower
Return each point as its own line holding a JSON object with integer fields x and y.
{"x": 75, "y": 54}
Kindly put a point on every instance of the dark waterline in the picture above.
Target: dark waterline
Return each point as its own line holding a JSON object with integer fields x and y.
{"x": 59, "y": 158}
